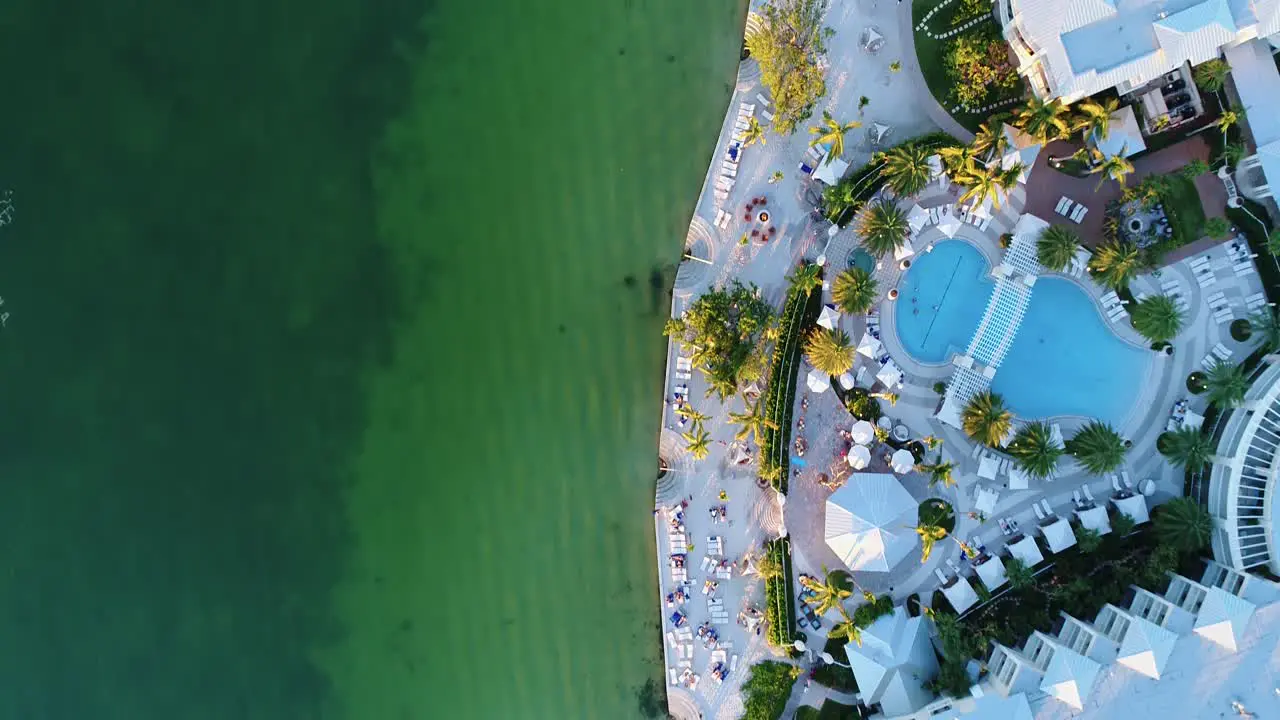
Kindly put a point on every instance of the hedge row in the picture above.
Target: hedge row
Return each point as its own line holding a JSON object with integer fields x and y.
{"x": 799, "y": 313}
{"x": 779, "y": 595}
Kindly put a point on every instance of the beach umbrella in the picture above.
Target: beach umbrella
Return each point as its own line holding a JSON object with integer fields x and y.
{"x": 818, "y": 381}
{"x": 859, "y": 457}
{"x": 869, "y": 346}
{"x": 890, "y": 375}
{"x": 949, "y": 225}
{"x": 862, "y": 432}
{"x": 829, "y": 318}
{"x": 918, "y": 217}
{"x": 902, "y": 461}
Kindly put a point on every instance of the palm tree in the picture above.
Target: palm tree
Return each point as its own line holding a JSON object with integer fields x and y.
{"x": 807, "y": 277}
{"x": 767, "y": 566}
{"x": 929, "y": 536}
{"x": 889, "y": 397}
{"x": 1229, "y": 117}
{"x": 829, "y": 592}
{"x": 1057, "y": 246}
{"x": 1114, "y": 167}
{"x": 1093, "y": 118}
{"x": 829, "y": 351}
{"x": 1211, "y": 75}
{"x": 837, "y": 200}
{"x": 883, "y": 228}
{"x": 699, "y": 442}
{"x": 846, "y": 628}
{"x": 831, "y": 132}
{"x": 1043, "y": 120}
{"x": 1157, "y": 318}
{"x": 1019, "y": 575}
{"x": 906, "y": 169}
{"x": 1226, "y": 384}
{"x": 687, "y": 412}
{"x": 1232, "y": 154}
{"x": 931, "y": 441}
{"x": 1097, "y": 447}
{"x": 1186, "y": 447}
{"x": 980, "y": 182}
{"x": 1266, "y": 328}
{"x": 753, "y": 134}
{"x": 939, "y": 472}
{"x": 753, "y": 422}
{"x": 720, "y": 382}
{"x": 956, "y": 158}
{"x": 1115, "y": 263}
{"x": 1035, "y": 450}
{"x": 985, "y": 418}
{"x": 1182, "y": 524}
{"x": 855, "y": 291}
{"x": 990, "y": 140}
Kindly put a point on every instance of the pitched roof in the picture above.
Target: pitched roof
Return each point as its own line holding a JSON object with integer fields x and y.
{"x": 1027, "y": 551}
{"x": 1223, "y": 617}
{"x": 1070, "y": 677}
{"x": 1146, "y": 647}
{"x": 867, "y": 522}
{"x": 895, "y": 659}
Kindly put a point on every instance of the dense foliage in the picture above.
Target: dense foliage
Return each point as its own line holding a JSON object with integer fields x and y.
{"x": 978, "y": 66}
{"x": 767, "y": 689}
{"x": 780, "y": 611}
{"x": 1182, "y": 524}
{"x": 1034, "y": 449}
{"x": 799, "y": 313}
{"x": 788, "y": 45}
{"x": 1186, "y": 447}
{"x": 1157, "y": 318}
{"x": 986, "y": 419}
{"x": 1057, "y": 246}
{"x": 1097, "y": 447}
{"x": 855, "y": 291}
{"x": 727, "y": 330}
{"x": 829, "y": 351}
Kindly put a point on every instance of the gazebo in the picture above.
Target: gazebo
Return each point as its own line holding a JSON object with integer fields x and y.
{"x": 1058, "y": 535}
{"x": 868, "y": 523}
{"x": 1096, "y": 519}
{"x": 1026, "y": 550}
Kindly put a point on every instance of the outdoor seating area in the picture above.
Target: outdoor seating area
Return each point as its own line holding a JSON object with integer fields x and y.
{"x": 1071, "y": 209}
{"x": 1113, "y": 306}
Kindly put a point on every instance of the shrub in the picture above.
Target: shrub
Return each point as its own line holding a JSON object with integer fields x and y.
{"x": 978, "y": 66}
{"x": 799, "y": 313}
{"x": 869, "y": 612}
{"x": 767, "y": 689}
{"x": 780, "y": 609}
{"x": 940, "y": 387}
{"x": 862, "y": 406}
{"x": 1195, "y": 383}
{"x": 969, "y": 9}
{"x": 1241, "y": 330}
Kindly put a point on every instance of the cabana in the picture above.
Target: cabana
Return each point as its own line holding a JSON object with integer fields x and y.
{"x": 988, "y": 464}
{"x": 1058, "y": 535}
{"x": 862, "y": 432}
{"x": 830, "y": 170}
{"x": 1026, "y": 550}
{"x": 904, "y": 250}
{"x": 917, "y": 218}
{"x": 949, "y": 225}
{"x": 1096, "y": 519}
{"x": 890, "y": 375}
{"x": 991, "y": 571}
{"x": 960, "y": 594}
{"x": 818, "y": 381}
{"x": 1018, "y": 478}
{"x": 1135, "y": 506}
{"x": 985, "y": 500}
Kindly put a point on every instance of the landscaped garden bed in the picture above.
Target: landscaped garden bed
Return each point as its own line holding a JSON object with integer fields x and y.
{"x": 799, "y": 314}
{"x": 963, "y": 58}
{"x": 780, "y": 598}
{"x": 842, "y": 201}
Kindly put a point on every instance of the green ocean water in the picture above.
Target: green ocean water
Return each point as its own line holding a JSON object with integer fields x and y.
{"x": 332, "y": 364}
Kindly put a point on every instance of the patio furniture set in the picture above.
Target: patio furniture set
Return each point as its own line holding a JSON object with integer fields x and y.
{"x": 1070, "y": 209}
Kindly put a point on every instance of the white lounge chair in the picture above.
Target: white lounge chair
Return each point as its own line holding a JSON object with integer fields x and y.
{"x": 1221, "y": 351}
{"x": 1039, "y": 512}
{"x": 1087, "y": 492}
{"x": 769, "y": 117}
{"x": 1048, "y": 511}
{"x": 763, "y": 100}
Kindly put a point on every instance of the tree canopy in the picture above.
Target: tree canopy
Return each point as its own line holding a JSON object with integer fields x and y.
{"x": 855, "y": 291}
{"x": 986, "y": 419}
{"x": 767, "y": 689}
{"x": 788, "y": 44}
{"x": 1034, "y": 449}
{"x": 1182, "y": 524}
{"x": 727, "y": 329}
{"x": 1157, "y": 318}
{"x": 1057, "y": 246}
{"x": 1097, "y": 447}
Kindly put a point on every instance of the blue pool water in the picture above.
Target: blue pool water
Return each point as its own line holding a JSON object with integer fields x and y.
{"x": 1065, "y": 360}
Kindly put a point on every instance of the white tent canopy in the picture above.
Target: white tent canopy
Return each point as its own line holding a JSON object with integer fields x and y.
{"x": 830, "y": 172}
{"x": 890, "y": 375}
{"x": 904, "y": 250}
{"x": 869, "y": 346}
{"x": 985, "y": 501}
{"x": 829, "y": 318}
{"x": 991, "y": 571}
{"x": 1070, "y": 677}
{"x": 1027, "y": 551}
{"x": 1135, "y": 506}
{"x": 960, "y": 594}
{"x": 1018, "y": 478}
{"x": 818, "y": 381}
{"x": 1145, "y": 647}
{"x": 903, "y": 462}
{"x": 1095, "y": 518}
{"x": 949, "y": 225}
{"x": 868, "y": 523}
{"x": 1058, "y": 535}
{"x": 863, "y": 432}
{"x": 859, "y": 457}
{"x": 988, "y": 464}
{"x": 917, "y": 218}
{"x": 1223, "y": 618}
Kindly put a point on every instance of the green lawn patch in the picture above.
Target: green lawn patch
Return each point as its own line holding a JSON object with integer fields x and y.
{"x": 832, "y": 710}
{"x": 931, "y": 53}
{"x": 1182, "y": 206}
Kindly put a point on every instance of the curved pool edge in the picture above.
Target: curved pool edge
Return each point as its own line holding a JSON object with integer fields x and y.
{"x": 990, "y": 251}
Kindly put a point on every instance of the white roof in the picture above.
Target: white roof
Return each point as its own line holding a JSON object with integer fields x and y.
{"x": 1258, "y": 83}
{"x": 895, "y": 659}
{"x": 1058, "y": 535}
{"x": 1027, "y": 551}
{"x": 903, "y": 461}
{"x": 829, "y": 318}
{"x": 1095, "y": 518}
{"x": 960, "y": 594}
{"x": 1223, "y": 618}
{"x": 1123, "y": 136}
{"x": 949, "y": 225}
{"x": 1018, "y": 478}
{"x": 863, "y": 432}
{"x": 830, "y": 173}
{"x": 869, "y": 346}
{"x": 1146, "y": 647}
{"x": 818, "y": 381}
{"x": 992, "y": 572}
{"x": 987, "y": 466}
{"x": 1135, "y": 506}
{"x": 905, "y": 250}
{"x": 996, "y": 707}
{"x": 1070, "y": 676}
{"x": 985, "y": 501}
{"x": 869, "y": 521}
{"x": 890, "y": 375}
{"x": 859, "y": 457}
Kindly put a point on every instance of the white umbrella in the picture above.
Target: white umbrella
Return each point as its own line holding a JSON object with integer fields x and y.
{"x": 829, "y": 317}
{"x": 862, "y": 432}
{"x": 859, "y": 457}
{"x": 890, "y": 375}
{"x": 904, "y": 250}
{"x": 869, "y": 346}
{"x": 819, "y": 381}
{"x": 918, "y": 217}
{"x": 949, "y": 225}
{"x": 986, "y": 501}
{"x": 846, "y": 381}
{"x": 903, "y": 461}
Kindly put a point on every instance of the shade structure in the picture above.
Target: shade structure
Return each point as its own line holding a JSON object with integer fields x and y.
{"x": 829, "y": 318}
{"x": 862, "y": 432}
{"x": 1223, "y": 617}
{"x": 869, "y": 346}
{"x": 949, "y": 225}
{"x": 893, "y": 662}
{"x": 1026, "y": 550}
{"x": 999, "y": 707}
{"x": 1096, "y": 519}
{"x": 991, "y": 571}
{"x": 1145, "y": 647}
{"x": 890, "y": 375}
{"x": 846, "y": 381}
{"x": 1192, "y": 420}
{"x": 917, "y": 218}
{"x": 1018, "y": 478}
{"x": 1070, "y": 677}
{"x": 960, "y": 594}
{"x": 830, "y": 172}
{"x": 902, "y": 462}
{"x": 985, "y": 501}
{"x": 859, "y": 457}
{"x": 904, "y": 250}
{"x": 988, "y": 464}
{"x": 1058, "y": 535}
{"x": 818, "y": 381}
{"x": 1135, "y": 506}
{"x": 868, "y": 523}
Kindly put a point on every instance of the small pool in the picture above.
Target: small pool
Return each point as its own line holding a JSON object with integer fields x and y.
{"x": 1065, "y": 360}
{"x": 859, "y": 258}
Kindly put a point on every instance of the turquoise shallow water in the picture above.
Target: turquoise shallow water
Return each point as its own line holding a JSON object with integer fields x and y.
{"x": 942, "y": 300}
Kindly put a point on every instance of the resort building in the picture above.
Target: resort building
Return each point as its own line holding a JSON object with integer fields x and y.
{"x": 869, "y": 523}
{"x": 1076, "y": 48}
{"x": 1257, "y": 82}
{"x": 894, "y": 662}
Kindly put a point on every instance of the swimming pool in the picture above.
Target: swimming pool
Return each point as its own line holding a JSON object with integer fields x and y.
{"x": 1065, "y": 360}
